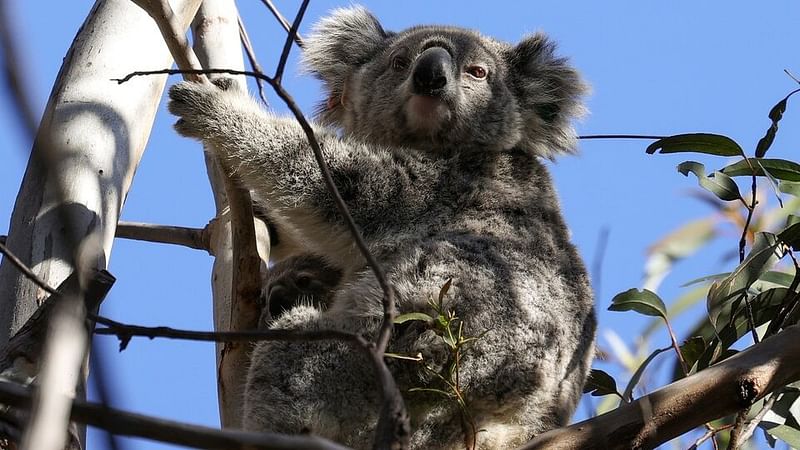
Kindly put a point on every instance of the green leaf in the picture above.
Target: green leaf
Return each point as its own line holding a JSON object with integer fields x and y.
{"x": 773, "y": 183}
{"x": 771, "y": 280}
{"x": 691, "y": 350}
{"x": 765, "y": 254}
{"x": 678, "y": 307}
{"x": 711, "y": 144}
{"x": 785, "y": 405}
{"x": 715, "y": 277}
{"x": 791, "y": 235}
{"x": 444, "y": 289}
{"x": 600, "y": 383}
{"x": 765, "y": 306}
{"x": 789, "y": 187}
{"x": 717, "y": 183}
{"x": 644, "y": 302}
{"x": 775, "y": 115}
{"x": 627, "y": 395}
{"x": 779, "y": 168}
{"x": 783, "y": 432}
{"x": 403, "y": 318}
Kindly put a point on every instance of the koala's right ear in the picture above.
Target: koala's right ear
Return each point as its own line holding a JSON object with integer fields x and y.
{"x": 339, "y": 44}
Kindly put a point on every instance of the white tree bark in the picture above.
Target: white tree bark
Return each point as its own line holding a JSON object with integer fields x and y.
{"x": 217, "y": 45}
{"x": 88, "y": 146}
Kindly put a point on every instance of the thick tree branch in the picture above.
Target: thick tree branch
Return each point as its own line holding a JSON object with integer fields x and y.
{"x": 718, "y": 391}
{"x": 236, "y": 310}
{"x": 197, "y": 238}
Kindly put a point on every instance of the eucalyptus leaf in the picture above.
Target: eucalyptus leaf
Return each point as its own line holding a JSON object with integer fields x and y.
{"x": 775, "y": 115}
{"x": 691, "y": 350}
{"x": 627, "y": 395}
{"x": 780, "y": 169}
{"x": 422, "y": 317}
{"x": 765, "y": 306}
{"x": 715, "y": 277}
{"x": 644, "y": 302}
{"x": 710, "y": 144}
{"x": 764, "y": 254}
{"x": 600, "y": 383}
{"x": 783, "y": 432}
{"x": 717, "y": 183}
{"x": 791, "y": 236}
{"x": 789, "y": 187}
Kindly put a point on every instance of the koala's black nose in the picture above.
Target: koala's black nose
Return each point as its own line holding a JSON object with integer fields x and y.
{"x": 430, "y": 71}
{"x": 279, "y": 300}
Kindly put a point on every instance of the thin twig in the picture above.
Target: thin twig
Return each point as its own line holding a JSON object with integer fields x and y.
{"x": 796, "y": 80}
{"x": 282, "y": 20}
{"x": 621, "y": 136}
{"x": 743, "y": 242}
{"x": 750, "y": 426}
{"x": 287, "y": 46}
{"x": 736, "y": 431}
{"x": 251, "y": 58}
{"x": 171, "y": 432}
{"x": 27, "y": 271}
{"x": 126, "y": 331}
{"x": 710, "y": 433}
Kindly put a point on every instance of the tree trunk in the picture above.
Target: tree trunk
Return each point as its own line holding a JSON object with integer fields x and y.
{"x": 88, "y": 146}
{"x": 217, "y": 45}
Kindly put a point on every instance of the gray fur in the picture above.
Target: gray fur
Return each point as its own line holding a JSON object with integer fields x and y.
{"x": 460, "y": 194}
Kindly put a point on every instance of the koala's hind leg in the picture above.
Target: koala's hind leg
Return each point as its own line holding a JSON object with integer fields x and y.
{"x": 326, "y": 387}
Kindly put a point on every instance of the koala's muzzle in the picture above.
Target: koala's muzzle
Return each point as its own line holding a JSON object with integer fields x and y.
{"x": 431, "y": 70}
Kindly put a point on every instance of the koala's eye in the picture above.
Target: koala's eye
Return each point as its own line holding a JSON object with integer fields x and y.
{"x": 477, "y": 72}
{"x": 400, "y": 62}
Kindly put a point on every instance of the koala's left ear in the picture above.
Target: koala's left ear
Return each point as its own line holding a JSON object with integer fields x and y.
{"x": 338, "y": 45}
{"x": 549, "y": 94}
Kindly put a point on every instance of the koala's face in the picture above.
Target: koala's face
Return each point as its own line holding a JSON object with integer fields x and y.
{"x": 429, "y": 88}
{"x": 442, "y": 88}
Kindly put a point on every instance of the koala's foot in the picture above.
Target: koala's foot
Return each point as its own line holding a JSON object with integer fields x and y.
{"x": 300, "y": 280}
{"x": 199, "y": 106}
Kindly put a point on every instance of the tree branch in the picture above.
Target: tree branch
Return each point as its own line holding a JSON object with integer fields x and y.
{"x": 197, "y": 238}
{"x": 282, "y": 20}
{"x": 137, "y": 425}
{"x": 718, "y": 391}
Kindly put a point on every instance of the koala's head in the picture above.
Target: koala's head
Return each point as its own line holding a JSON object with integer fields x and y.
{"x": 443, "y": 88}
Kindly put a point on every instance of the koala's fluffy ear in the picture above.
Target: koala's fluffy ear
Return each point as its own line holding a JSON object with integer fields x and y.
{"x": 549, "y": 94}
{"x": 339, "y": 44}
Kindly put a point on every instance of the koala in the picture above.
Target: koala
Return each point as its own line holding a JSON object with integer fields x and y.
{"x": 435, "y": 137}
{"x": 305, "y": 279}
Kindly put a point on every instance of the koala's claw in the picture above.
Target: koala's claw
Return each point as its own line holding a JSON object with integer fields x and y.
{"x": 194, "y": 104}
{"x": 226, "y": 84}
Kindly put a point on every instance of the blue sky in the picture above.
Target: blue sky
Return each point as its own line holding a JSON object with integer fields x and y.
{"x": 655, "y": 67}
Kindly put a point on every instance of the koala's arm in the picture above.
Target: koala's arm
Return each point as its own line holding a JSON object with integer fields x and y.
{"x": 272, "y": 156}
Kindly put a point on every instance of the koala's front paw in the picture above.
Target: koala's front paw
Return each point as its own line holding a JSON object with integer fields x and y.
{"x": 198, "y": 106}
